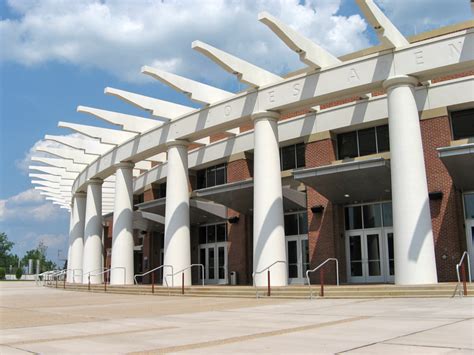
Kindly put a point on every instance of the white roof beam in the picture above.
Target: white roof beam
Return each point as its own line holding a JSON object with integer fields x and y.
{"x": 247, "y": 73}
{"x": 129, "y": 123}
{"x": 196, "y": 91}
{"x": 54, "y": 171}
{"x": 386, "y": 31}
{"x": 76, "y": 155}
{"x": 47, "y": 177}
{"x": 61, "y": 163}
{"x": 158, "y": 108}
{"x": 105, "y": 135}
{"x": 310, "y": 53}
{"x": 90, "y": 146}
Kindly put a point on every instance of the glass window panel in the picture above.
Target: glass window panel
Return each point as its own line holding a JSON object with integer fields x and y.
{"x": 210, "y": 177}
{"x": 211, "y": 263}
{"x": 356, "y": 268}
{"x": 201, "y": 179}
{"x": 383, "y": 140}
{"x": 469, "y": 205}
{"x": 374, "y": 268}
{"x": 221, "y": 260}
{"x": 211, "y": 234}
{"x": 372, "y": 216}
{"x": 305, "y": 252}
{"x": 300, "y": 155}
{"x": 221, "y": 175}
{"x": 291, "y": 224}
{"x": 347, "y": 145}
{"x": 373, "y": 247}
{"x": 292, "y": 252}
{"x": 202, "y": 235}
{"x": 202, "y": 257}
{"x": 355, "y": 248}
{"x": 463, "y": 124}
{"x": 288, "y": 157}
{"x": 367, "y": 144}
{"x": 303, "y": 223}
{"x": 391, "y": 264}
{"x": 387, "y": 214}
{"x": 221, "y": 234}
{"x": 292, "y": 271}
{"x": 353, "y": 217}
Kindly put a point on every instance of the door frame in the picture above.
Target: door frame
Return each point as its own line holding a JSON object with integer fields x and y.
{"x": 301, "y": 279}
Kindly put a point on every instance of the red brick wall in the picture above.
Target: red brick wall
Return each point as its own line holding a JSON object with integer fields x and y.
{"x": 446, "y": 214}
{"x": 323, "y": 228}
{"x": 240, "y": 233}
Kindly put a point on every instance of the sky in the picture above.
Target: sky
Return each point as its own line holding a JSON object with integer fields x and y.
{"x": 58, "y": 54}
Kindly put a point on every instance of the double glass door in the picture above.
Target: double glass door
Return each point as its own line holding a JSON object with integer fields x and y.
{"x": 297, "y": 252}
{"x": 214, "y": 258}
{"x": 370, "y": 255}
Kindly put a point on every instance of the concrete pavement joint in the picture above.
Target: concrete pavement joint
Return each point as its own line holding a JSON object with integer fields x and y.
{"x": 388, "y": 341}
{"x": 238, "y": 339}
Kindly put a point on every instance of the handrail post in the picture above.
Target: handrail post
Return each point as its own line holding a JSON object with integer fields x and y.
{"x": 321, "y": 277}
{"x": 463, "y": 274}
{"x": 64, "y": 282}
{"x": 105, "y": 282}
{"x": 269, "y": 290}
{"x": 182, "y": 283}
{"x": 89, "y": 283}
{"x": 152, "y": 282}
{"x": 56, "y": 282}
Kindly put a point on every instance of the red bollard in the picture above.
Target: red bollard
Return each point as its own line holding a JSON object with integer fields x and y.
{"x": 152, "y": 282}
{"x": 321, "y": 277}
{"x": 105, "y": 282}
{"x": 64, "y": 282}
{"x": 269, "y": 289}
{"x": 463, "y": 274}
{"x": 56, "y": 282}
{"x": 89, "y": 284}
{"x": 182, "y": 283}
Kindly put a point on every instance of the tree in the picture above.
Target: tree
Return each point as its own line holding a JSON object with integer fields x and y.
{"x": 6, "y": 258}
{"x": 39, "y": 254}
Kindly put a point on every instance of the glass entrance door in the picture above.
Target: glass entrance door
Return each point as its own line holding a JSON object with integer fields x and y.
{"x": 364, "y": 251}
{"x": 297, "y": 252}
{"x": 214, "y": 258}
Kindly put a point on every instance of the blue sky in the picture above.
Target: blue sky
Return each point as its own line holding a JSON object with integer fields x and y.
{"x": 56, "y": 55}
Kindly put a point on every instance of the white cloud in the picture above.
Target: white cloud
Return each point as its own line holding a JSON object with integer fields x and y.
{"x": 121, "y": 36}
{"x": 28, "y": 205}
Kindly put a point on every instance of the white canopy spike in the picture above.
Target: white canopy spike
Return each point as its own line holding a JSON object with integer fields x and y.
{"x": 46, "y": 183}
{"x": 90, "y": 146}
{"x": 310, "y": 53}
{"x": 159, "y": 108}
{"x": 196, "y": 91}
{"x": 61, "y": 163}
{"x": 54, "y": 171}
{"x": 386, "y": 31}
{"x": 129, "y": 123}
{"x": 76, "y": 155}
{"x": 105, "y": 135}
{"x": 46, "y": 177}
{"x": 246, "y": 72}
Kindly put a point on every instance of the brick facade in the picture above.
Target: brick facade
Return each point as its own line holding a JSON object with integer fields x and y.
{"x": 446, "y": 213}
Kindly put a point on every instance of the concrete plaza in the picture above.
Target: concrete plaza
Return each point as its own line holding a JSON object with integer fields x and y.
{"x": 41, "y": 320}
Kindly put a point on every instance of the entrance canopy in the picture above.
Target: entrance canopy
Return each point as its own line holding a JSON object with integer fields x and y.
{"x": 239, "y": 196}
{"x": 200, "y": 211}
{"x": 365, "y": 180}
{"x": 459, "y": 160}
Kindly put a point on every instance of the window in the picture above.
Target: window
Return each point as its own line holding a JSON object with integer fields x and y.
{"x": 292, "y": 156}
{"x": 368, "y": 216}
{"x": 463, "y": 124}
{"x": 296, "y": 223}
{"x": 212, "y": 176}
{"x": 363, "y": 142}
{"x": 213, "y": 233}
{"x": 469, "y": 205}
{"x": 159, "y": 190}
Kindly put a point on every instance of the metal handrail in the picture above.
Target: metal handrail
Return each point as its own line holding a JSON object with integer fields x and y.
{"x": 156, "y": 268}
{"x": 317, "y": 268}
{"x": 109, "y": 270}
{"x": 186, "y": 268}
{"x": 263, "y": 270}
{"x": 458, "y": 265}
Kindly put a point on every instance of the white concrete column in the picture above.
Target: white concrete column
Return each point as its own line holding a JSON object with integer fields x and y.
{"x": 415, "y": 261}
{"x": 268, "y": 228}
{"x": 76, "y": 238}
{"x": 122, "y": 270}
{"x": 92, "y": 259}
{"x": 177, "y": 251}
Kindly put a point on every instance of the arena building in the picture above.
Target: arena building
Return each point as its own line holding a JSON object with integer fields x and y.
{"x": 366, "y": 158}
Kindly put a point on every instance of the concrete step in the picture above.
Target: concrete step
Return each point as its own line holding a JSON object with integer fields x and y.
{"x": 291, "y": 292}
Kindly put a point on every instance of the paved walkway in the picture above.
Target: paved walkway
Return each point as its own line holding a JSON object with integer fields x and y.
{"x": 46, "y": 321}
